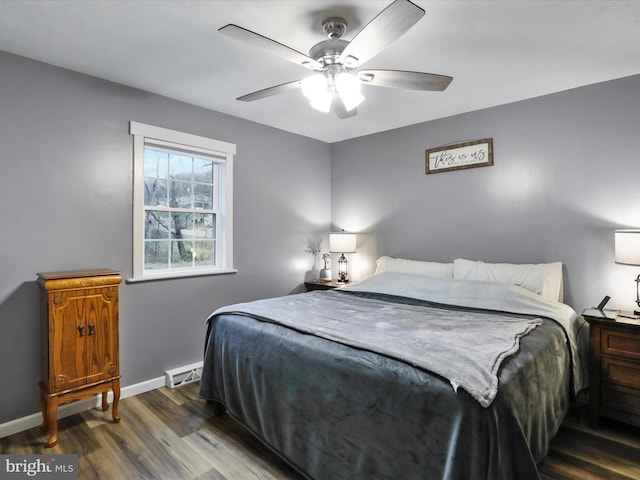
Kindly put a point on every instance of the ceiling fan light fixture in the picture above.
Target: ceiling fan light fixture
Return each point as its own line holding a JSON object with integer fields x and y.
{"x": 314, "y": 86}
{"x": 316, "y": 89}
{"x": 322, "y": 103}
{"x": 348, "y": 87}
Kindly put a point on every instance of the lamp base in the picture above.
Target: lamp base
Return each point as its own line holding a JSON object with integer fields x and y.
{"x": 325, "y": 275}
{"x": 343, "y": 269}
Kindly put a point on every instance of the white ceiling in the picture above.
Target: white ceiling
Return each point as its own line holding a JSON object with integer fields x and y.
{"x": 497, "y": 51}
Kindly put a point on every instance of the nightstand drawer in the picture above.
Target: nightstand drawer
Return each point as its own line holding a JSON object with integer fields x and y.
{"x": 621, "y": 372}
{"x": 620, "y": 343}
{"x": 620, "y": 399}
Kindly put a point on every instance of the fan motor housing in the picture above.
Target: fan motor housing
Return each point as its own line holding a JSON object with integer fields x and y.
{"x": 328, "y": 51}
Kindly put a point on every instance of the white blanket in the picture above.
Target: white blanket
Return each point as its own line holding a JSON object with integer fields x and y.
{"x": 484, "y": 295}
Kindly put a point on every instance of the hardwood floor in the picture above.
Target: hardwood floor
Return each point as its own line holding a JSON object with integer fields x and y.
{"x": 164, "y": 434}
{"x": 171, "y": 435}
{"x": 612, "y": 451}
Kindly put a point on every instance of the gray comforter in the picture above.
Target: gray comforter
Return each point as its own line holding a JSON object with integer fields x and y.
{"x": 336, "y": 407}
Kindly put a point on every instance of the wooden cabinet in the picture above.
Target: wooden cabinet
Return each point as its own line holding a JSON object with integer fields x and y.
{"x": 614, "y": 363}
{"x": 79, "y": 341}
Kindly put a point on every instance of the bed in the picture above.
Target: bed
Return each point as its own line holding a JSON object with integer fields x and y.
{"x": 422, "y": 371}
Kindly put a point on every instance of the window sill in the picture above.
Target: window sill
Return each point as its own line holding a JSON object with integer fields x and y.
{"x": 177, "y": 275}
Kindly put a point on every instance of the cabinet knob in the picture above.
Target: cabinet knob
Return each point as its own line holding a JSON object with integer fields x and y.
{"x": 81, "y": 330}
{"x": 92, "y": 329}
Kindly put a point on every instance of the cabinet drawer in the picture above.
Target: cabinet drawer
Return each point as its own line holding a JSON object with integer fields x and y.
{"x": 621, "y": 399}
{"x": 621, "y": 372}
{"x": 621, "y": 343}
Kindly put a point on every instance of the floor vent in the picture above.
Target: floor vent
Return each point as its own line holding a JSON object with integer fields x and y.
{"x": 177, "y": 377}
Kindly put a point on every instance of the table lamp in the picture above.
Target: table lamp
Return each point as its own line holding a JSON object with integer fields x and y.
{"x": 342, "y": 242}
{"x": 627, "y": 247}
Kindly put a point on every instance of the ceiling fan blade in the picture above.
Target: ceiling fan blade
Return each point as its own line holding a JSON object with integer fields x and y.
{"x": 403, "y": 79}
{"x": 337, "y": 105}
{"x": 268, "y": 92}
{"x": 389, "y": 25}
{"x": 271, "y": 46}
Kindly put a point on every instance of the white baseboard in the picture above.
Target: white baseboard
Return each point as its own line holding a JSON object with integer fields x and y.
{"x": 35, "y": 420}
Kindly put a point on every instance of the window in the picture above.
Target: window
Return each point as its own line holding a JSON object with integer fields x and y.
{"x": 182, "y": 204}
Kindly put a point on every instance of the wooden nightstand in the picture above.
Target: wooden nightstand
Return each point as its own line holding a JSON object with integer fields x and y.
{"x": 614, "y": 364}
{"x": 322, "y": 285}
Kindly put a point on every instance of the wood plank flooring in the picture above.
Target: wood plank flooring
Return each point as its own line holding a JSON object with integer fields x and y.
{"x": 171, "y": 435}
{"x": 612, "y": 451}
{"x": 164, "y": 435}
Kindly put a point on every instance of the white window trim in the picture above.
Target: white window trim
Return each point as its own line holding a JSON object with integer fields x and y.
{"x": 140, "y": 131}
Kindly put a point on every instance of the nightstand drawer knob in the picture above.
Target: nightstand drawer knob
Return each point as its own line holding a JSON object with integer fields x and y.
{"x": 81, "y": 330}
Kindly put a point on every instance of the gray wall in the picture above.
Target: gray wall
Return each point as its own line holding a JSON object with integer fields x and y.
{"x": 566, "y": 173}
{"x": 66, "y": 203}
{"x": 565, "y": 176}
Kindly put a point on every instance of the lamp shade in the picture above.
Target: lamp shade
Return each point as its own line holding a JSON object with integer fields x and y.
{"x": 342, "y": 242}
{"x": 348, "y": 87}
{"x": 627, "y": 244}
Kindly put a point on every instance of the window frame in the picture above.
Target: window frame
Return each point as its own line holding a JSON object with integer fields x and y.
{"x": 144, "y": 134}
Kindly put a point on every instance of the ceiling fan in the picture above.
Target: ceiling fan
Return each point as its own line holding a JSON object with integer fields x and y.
{"x": 336, "y": 84}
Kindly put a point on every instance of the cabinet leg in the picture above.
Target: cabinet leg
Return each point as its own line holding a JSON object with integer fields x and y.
{"x": 105, "y": 403}
{"x": 116, "y": 399}
{"x": 43, "y": 409}
{"x": 52, "y": 420}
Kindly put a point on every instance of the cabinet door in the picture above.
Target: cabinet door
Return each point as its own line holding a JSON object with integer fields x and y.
{"x": 66, "y": 335}
{"x": 102, "y": 333}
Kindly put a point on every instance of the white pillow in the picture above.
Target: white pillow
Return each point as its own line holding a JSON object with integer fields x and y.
{"x": 545, "y": 279}
{"x": 416, "y": 267}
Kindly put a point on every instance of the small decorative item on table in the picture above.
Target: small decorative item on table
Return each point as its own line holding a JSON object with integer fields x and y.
{"x": 325, "y": 273}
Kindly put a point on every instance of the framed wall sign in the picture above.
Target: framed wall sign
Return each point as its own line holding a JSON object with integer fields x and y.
{"x": 478, "y": 153}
